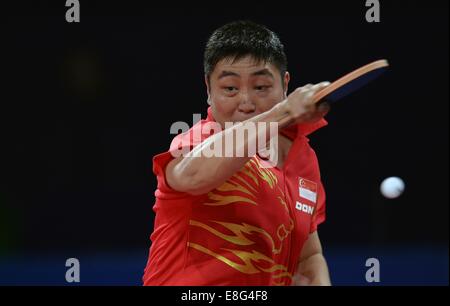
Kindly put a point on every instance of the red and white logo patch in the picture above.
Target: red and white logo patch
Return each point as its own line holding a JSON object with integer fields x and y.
{"x": 307, "y": 189}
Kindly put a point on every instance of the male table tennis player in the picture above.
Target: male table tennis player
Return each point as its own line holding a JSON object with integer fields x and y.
{"x": 229, "y": 220}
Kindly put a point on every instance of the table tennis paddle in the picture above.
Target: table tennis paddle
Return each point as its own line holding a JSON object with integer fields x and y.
{"x": 351, "y": 82}
{"x": 347, "y": 84}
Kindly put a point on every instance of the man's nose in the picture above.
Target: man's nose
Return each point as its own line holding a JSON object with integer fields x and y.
{"x": 246, "y": 105}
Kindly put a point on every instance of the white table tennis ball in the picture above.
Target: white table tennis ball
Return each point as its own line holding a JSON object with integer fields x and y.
{"x": 392, "y": 187}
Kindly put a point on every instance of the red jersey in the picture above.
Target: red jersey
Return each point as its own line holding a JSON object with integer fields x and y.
{"x": 249, "y": 231}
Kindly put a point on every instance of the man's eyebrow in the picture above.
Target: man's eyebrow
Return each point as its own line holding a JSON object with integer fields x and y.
{"x": 227, "y": 73}
{"x": 264, "y": 71}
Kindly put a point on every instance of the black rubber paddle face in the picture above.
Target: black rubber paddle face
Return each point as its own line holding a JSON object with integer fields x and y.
{"x": 352, "y": 86}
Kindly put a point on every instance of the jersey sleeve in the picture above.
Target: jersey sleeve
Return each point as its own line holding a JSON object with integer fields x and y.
{"x": 319, "y": 213}
{"x": 160, "y": 163}
{"x": 180, "y": 145}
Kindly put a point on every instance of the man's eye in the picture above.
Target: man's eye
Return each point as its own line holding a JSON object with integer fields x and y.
{"x": 230, "y": 88}
{"x": 262, "y": 87}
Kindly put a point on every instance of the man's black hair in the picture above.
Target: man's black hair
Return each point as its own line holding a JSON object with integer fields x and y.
{"x": 239, "y": 39}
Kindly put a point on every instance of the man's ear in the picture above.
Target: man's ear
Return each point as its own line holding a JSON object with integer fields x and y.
{"x": 207, "y": 90}
{"x": 286, "y": 79}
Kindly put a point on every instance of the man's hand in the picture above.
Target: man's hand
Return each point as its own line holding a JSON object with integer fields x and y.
{"x": 312, "y": 269}
{"x": 300, "y": 280}
{"x": 300, "y": 108}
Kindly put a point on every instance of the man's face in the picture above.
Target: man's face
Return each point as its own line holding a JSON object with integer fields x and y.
{"x": 244, "y": 89}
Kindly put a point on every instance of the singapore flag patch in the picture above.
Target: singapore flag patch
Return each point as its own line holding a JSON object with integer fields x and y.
{"x": 307, "y": 189}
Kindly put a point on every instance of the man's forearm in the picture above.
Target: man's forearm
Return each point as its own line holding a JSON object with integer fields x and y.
{"x": 206, "y": 172}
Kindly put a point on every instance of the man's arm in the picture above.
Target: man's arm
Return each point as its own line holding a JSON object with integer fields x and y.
{"x": 312, "y": 267}
{"x": 197, "y": 174}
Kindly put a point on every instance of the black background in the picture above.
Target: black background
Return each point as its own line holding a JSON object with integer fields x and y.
{"x": 85, "y": 106}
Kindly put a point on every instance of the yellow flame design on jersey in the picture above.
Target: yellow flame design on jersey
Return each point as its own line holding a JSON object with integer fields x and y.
{"x": 239, "y": 229}
{"x": 252, "y": 170}
{"x": 242, "y": 188}
{"x": 250, "y": 262}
